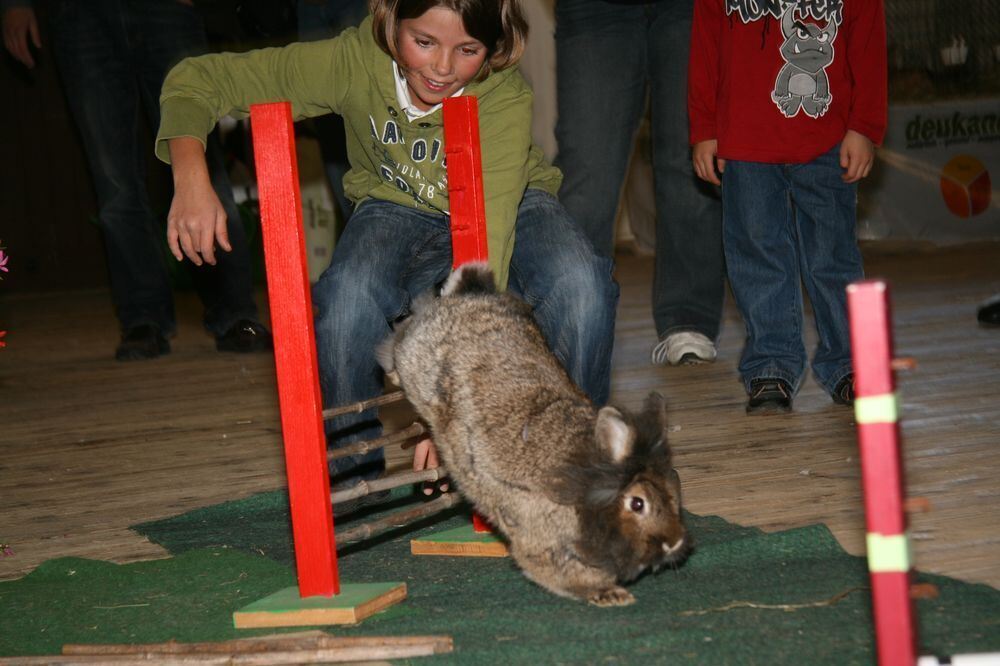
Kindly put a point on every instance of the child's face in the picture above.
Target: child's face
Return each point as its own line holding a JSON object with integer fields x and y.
{"x": 439, "y": 57}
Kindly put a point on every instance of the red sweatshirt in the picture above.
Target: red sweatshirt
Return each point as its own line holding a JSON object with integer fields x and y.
{"x": 782, "y": 81}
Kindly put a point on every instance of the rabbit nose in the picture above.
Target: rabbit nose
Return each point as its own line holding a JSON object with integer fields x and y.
{"x": 670, "y": 550}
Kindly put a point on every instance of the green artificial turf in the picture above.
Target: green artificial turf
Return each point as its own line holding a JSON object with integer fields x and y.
{"x": 229, "y": 555}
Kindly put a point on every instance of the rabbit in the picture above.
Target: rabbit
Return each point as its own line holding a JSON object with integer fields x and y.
{"x": 587, "y": 498}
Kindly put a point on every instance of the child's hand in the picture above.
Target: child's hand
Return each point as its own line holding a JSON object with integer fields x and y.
{"x": 705, "y": 162}
{"x": 425, "y": 457}
{"x": 857, "y": 155}
{"x": 196, "y": 219}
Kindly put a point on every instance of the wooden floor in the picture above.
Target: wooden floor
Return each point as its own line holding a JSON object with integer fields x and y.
{"x": 89, "y": 446}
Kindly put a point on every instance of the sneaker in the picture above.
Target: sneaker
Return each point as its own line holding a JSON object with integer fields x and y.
{"x": 684, "y": 347}
{"x": 843, "y": 392}
{"x": 244, "y": 337}
{"x": 142, "y": 342}
{"x": 769, "y": 396}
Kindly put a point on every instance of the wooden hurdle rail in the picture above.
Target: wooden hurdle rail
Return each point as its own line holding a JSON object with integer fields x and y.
{"x": 396, "y": 480}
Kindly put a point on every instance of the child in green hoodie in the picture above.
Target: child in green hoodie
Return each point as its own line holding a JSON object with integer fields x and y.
{"x": 387, "y": 79}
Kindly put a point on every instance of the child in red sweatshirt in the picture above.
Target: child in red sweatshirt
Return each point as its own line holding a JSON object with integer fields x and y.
{"x": 786, "y": 100}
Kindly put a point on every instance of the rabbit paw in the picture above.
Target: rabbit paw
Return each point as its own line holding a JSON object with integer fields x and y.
{"x": 611, "y": 596}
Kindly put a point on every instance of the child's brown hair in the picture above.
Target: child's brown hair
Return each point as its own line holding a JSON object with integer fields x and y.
{"x": 498, "y": 24}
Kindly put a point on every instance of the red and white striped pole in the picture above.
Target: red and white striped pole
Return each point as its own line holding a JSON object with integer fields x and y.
{"x": 876, "y": 410}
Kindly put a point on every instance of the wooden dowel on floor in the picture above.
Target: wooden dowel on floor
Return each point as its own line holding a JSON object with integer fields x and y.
{"x": 358, "y": 407}
{"x": 392, "y": 481}
{"x": 259, "y": 653}
{"x": 397, "y": 519}
{"x": 298, "y": 642}
{"x": 358, "y": 448}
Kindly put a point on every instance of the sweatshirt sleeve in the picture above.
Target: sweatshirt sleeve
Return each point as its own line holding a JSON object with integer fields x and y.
{"x": 505, "y": 138}
{"x": 866, "y": 56}
{"x": 200, "y": 90}
{"x": 703, "y": 70}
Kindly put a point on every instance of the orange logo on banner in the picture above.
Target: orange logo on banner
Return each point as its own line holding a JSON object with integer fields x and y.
{"x": 965, "y": 186}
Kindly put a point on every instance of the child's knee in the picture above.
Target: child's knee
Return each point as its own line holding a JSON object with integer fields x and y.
{"x": 593, "y": 282}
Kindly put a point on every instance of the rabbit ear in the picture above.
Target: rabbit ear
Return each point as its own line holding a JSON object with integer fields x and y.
{"x": 656, "y": 408}
{"x": 614, "y": 436}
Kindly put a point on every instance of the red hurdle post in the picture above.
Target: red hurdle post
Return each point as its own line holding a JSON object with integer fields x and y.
{"x": 876, "y": 409}
{"x": 294, "y": 350}
{"x": 467, "y": 208}
{"x": 319, "y": 598}
{"x": 466, "y": 201}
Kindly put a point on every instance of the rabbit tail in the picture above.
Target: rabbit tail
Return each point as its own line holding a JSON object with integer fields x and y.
{"x": 474, "y": 277}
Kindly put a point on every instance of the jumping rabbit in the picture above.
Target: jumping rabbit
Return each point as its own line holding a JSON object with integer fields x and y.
{"x": 587, "y": 497}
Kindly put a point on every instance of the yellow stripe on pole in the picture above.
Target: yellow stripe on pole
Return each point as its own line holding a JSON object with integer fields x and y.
{"x": 888, "y": 553}
{"x": 877, "y": 408}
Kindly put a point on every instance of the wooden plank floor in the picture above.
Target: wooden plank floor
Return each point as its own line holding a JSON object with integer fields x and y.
{"x": 89, "y": 446}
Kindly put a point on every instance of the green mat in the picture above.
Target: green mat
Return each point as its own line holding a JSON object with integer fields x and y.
{"x": 229, "y": 555}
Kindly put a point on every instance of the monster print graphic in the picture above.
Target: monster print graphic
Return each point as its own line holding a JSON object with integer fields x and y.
{"x": 802, "y": 82}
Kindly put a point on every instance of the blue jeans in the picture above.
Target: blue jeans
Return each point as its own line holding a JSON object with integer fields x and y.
{"x": 389, "y": 254}
{"x": 113, "y": 56}
{"x": 608, "y": 55}
{"x": 323, "y": 19}
{"x": 787, "y": 225}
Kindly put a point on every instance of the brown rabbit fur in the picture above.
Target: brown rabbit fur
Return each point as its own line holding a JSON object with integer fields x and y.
{"x": 587, "y": 497}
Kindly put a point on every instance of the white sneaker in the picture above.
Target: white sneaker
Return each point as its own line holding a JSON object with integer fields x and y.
{"x": 684, "y": 347}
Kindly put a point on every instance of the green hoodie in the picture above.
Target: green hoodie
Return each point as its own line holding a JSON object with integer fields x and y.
{"x": 392, "y": 158}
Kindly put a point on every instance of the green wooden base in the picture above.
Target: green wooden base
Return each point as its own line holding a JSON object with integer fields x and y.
{"x": 461, "y": 541}
{"x": 285, "y": 608}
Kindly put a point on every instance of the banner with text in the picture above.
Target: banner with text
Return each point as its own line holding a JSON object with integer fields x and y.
{"x": 937, "y": 175}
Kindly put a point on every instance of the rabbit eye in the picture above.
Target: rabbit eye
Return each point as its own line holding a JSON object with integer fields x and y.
{"x": 636, "y": 504}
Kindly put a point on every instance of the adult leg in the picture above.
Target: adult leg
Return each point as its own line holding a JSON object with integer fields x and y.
{"x": 227, "y": 289}
{"x": 688, "y": 281}
{"x": 386, "y": 255}
{"x": 761, "y": 256}
{"x": 91, "y": 51}
{"x": 830, "y": 258}
{"x": 601, "y": 88}
{"x": 162, "y": 34}
{"x": 556, "y": 271}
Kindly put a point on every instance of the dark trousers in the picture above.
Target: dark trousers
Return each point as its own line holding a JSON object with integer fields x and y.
{"x": 609, "y": 56}
{"x": 113, "y": 56}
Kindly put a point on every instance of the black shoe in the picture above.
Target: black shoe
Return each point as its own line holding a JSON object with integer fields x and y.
{"x": 843, "y": 392}
{"x": 142, "y": 342}
{"x": 245, "y": 337}
{"x": 989, "y": 314}
{"x": 769, "y": 396}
